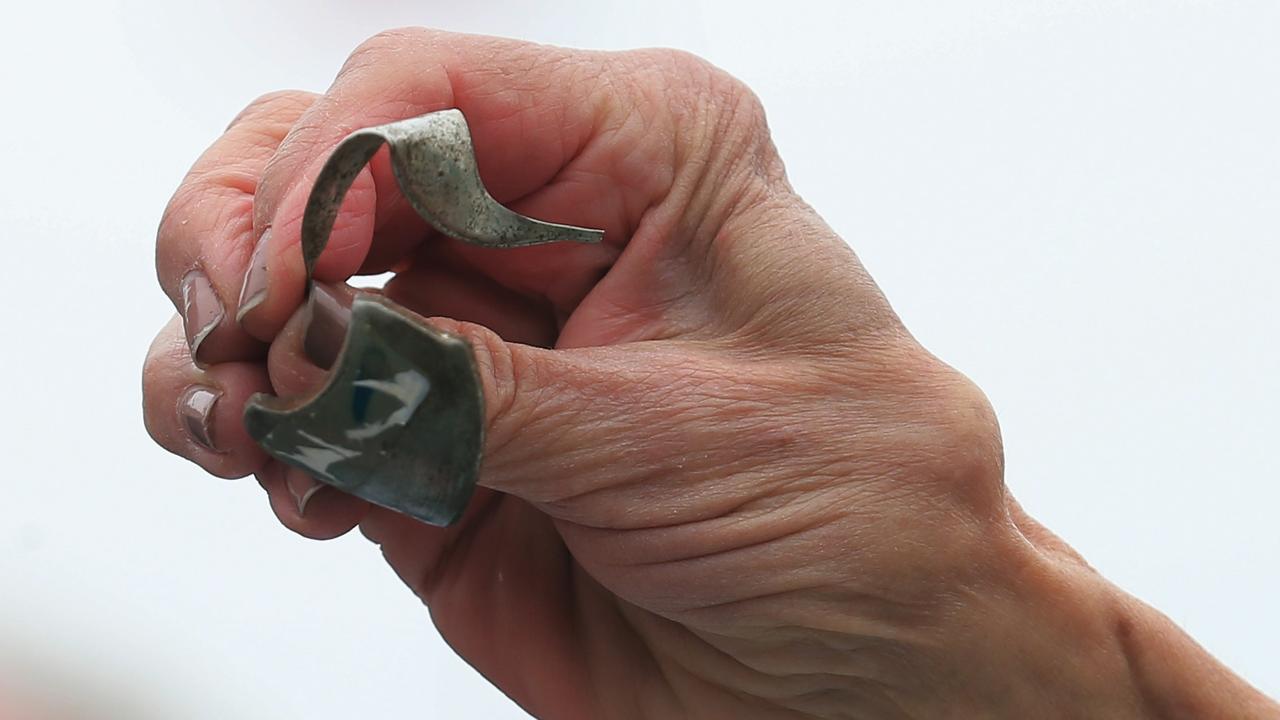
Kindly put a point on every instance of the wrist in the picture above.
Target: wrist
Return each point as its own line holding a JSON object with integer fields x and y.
{"x": 1056, "y": 639}
{"x": 1045, "y": 641}
{"x": 1176, "y": 677}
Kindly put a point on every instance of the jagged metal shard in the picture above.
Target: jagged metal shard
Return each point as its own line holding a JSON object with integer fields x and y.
{"x": 400, "y": 421}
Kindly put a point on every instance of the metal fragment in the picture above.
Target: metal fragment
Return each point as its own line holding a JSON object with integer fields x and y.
{"x": 435, "y": 166}
{"x": 400, "y": 421}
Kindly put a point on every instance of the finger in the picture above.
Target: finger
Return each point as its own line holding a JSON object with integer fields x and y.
{"x": 306, "y": 347}
{"x": 562, "y": 425}
{"x": 535, "y": 112}
{"x": 195, "y": 412}
{"x": 440, "y": 282}
{"x": 308, "y": 507}
{"x": 206, "y": 240}
{"x": 298, "y": 364}
{"x": 302, "y": 503}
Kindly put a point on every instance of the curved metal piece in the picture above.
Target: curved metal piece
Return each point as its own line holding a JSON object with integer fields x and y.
{"x": 435, "y": 165}
{"x": 400, "y": 420}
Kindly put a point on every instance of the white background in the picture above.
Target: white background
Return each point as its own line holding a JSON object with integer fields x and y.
{"x": 1077, "y": 203}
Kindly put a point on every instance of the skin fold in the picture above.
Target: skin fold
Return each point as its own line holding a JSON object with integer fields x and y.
{"x": 721, "y": 479}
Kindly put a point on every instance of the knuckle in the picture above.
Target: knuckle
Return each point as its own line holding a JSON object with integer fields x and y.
{"x": 735, "y": 95}
{"x": 936, "y": 430}
{"x": 685, "y": 64}
{"x": 746, "y": 109}
{"x": 499, "y": 370}
{"x": 723, "y": 145}
{"x": 184, "y": 200}
{"x": 381, "y": 48}
{"x": 506, "y": 381}
{"x": 710, "y": 86}
{"x": 278, "y": 102}
{"x": 211, "y": 212}
{"x": 743, "y": 129}
{"x": 966, "y": 456}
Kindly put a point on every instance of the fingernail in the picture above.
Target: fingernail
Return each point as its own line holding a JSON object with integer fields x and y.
{"x": 195, "y": 408}
{"x": 302, "y": 487}
{"x": 254, "y": 288}
{"x": 201, "y": 309}
{"x": 329, "y": 314}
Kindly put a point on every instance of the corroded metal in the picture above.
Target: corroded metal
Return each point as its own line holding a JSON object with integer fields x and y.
{"x": 435, "y": 165}
{"x": 400, "y": 420}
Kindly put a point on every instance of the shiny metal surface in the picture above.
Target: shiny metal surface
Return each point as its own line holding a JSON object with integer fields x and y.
{"x": 399, "y": 423}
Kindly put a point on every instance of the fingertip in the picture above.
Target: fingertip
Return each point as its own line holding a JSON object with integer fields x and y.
{"x": 225, "y": 450}
{"x": 273, "y": 287}
{"x": 320, "y": 512}
{"x": 227, "y": 343}
{"x": 304, "y": 350}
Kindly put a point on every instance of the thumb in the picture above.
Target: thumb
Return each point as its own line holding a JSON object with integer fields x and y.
{"x": 629, "y": 436}
{"x": 618, "y": 436}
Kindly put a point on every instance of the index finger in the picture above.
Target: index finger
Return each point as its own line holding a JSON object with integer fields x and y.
{"x": 533, "y": 111}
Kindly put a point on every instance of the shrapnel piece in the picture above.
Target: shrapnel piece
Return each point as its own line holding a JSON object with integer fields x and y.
{"x": 400, "y": 419}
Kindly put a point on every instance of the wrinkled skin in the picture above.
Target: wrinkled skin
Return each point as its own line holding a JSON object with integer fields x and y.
{"x": 720, "y": 479}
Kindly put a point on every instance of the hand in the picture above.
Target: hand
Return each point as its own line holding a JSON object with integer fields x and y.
{"x": 720, "y": 478}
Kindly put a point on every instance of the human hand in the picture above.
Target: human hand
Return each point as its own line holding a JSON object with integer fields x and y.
{"x": 720, "y": 478}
